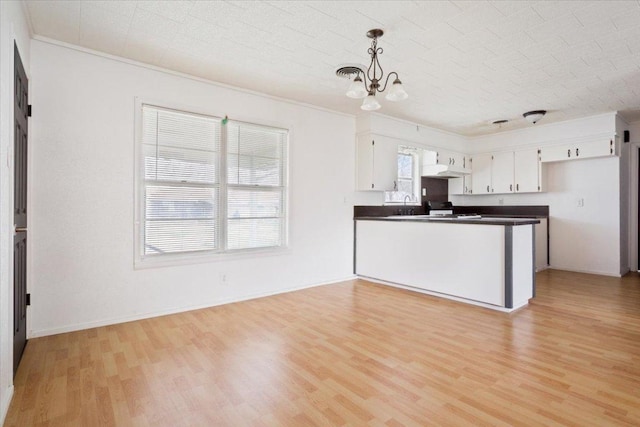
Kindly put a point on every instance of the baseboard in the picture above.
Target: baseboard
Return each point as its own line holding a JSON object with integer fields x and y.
{"x": 124, "y": 319}
{"x": 445, "y": 296}
{"x": 596, "y": 272}
{"x": 5, "y": 404}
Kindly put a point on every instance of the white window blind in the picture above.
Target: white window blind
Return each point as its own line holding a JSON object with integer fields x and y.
{"x": 190, "y": 205}
{"x": 256, "y": 176}
{"x": 181, "y": 181}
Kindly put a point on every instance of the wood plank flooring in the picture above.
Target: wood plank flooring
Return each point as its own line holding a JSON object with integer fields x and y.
{"x": 353, "y": 353}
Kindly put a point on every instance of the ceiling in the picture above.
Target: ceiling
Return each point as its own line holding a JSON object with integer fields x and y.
{"x": 463, "y": 63}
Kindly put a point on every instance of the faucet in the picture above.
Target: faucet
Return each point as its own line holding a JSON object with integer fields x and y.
{"x": 405, "y": 199}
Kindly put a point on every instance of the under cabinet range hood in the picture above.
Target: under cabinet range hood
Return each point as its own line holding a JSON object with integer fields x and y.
{"x": 444, "y": 164}
{"x": 444, "y": 171}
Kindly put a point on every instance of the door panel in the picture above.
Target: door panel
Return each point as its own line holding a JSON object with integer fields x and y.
{"x": 21, "y": 112}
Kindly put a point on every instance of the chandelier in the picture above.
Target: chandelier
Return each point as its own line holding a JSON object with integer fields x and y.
{"x": 367, "y": 84}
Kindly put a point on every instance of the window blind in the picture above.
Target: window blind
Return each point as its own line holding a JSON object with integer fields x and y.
{"x": 181, "y": 181}
{"x": 256, "y": 195}
{"x": 190, "y": 204}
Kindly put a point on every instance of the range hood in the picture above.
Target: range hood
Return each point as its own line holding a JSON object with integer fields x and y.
{"x": 444, "y": 171}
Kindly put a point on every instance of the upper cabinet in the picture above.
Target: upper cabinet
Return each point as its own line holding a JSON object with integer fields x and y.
{"x": 527, "y": 171}
{"x": 506, "y": 172}
{"x": 502, "y": 173}
{"x": 377, "y": 163}
{"x": 582, "y": 150}
{"x": 481, "y": 174}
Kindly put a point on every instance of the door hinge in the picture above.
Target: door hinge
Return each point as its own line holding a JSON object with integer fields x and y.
{"x": 28, "y": 299}
{"x": 29, "y": 110}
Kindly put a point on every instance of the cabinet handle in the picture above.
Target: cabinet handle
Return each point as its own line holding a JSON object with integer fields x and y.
{"x": 569, "y": 152}
{"x": 517, "y": 187}
{"x": 487, "y": 188}
{"x": 395, "y": 185}
{"x": 453, "y": 161}
{"x": 577, "y": 152}
{"x": 510, "y": 187}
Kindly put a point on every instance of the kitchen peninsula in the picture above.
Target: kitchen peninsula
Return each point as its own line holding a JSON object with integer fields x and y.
{"x": 485, "y": 261}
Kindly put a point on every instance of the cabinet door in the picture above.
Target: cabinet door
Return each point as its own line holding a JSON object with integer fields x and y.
{"x": 468, "y": 181}
{"x": 527, "y": 171}
{"x": 385, "y": 163}
{"x": 502, "y": 173}
{"x": 377, "y": 163}
{"x": 556, "y": 153}
{"x": 364, "y": 163}
{"x": 594, "y": 149}
{"x": 456, "y": 186}
{"x": 445, "y": 157}
{"x": 481, "y": 174}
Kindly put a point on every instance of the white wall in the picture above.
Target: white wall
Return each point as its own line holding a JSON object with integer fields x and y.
{"x": 587, "y": 238}
{"x": 82, "y": 229}
{"x": 13, "y": 26}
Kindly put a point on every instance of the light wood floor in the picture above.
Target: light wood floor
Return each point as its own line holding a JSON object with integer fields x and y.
{"x": 353, "y": 353}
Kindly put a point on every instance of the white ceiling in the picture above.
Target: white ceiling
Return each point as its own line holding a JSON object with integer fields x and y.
{"x": 463, "y": 63}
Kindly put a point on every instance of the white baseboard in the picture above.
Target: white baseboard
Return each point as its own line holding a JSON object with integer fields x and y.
{"x": 123, "y": 319}
{"x": 440, "y": 295}
{"x": 6, "y": 401}
{"x": 596, "y": 272}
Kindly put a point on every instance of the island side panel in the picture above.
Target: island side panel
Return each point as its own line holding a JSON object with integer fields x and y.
{"x": 462, "y": 260}
{"x": 523, "y": 264}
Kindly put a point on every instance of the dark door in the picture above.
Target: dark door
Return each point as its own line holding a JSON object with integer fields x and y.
{"x": 20, "y": 112}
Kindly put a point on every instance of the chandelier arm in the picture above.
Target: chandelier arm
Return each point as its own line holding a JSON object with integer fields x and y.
{"x": 387, "y": 81}
{"x": 365, "y": 80}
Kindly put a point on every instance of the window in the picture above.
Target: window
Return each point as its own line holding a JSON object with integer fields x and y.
{"x": 211, "y": 185}
{"x": 408, "y": 178}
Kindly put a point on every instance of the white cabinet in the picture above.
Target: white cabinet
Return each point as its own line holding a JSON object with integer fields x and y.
{"x": 460, "y": 186}
{"x": 481, "y": 174}
{"x": 502, "y": 173}
{"x": 527, "y": 172}
{"x": 450, "y": 158}
{"x": 583, "y": 150}
{"x": 506, "y": 172}
{"x": 377, "y": 163}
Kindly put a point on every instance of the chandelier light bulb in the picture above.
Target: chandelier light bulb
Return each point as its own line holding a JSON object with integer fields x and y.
{"x": 397, "y": 92}
{"x": 356, "y": 89}
{"x": 370, "y": 103}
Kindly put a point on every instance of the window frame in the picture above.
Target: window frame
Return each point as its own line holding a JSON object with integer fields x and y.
{"x": 416, "y": 178}
{"x": 142, "y": 261}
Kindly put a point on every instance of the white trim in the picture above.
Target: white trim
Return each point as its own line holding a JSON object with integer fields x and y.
{"x": 596, "y": 272}
{"x": 5, "y": 403}
{"x": 634, "y": 168}
{"x": 123, "y": 319}
{"x": 445, "y": 296}
{"x": 183, "y": 75}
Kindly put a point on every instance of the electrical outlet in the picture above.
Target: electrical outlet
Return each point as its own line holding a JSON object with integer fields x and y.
{"x": 424, "y": 192}
{"x": 580, "y": 202}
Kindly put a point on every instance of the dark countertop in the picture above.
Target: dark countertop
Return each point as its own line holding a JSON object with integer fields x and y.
{"x": 480, "y": 221}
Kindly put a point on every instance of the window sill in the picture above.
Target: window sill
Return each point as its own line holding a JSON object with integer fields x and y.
{"x": 178, "y": 259}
